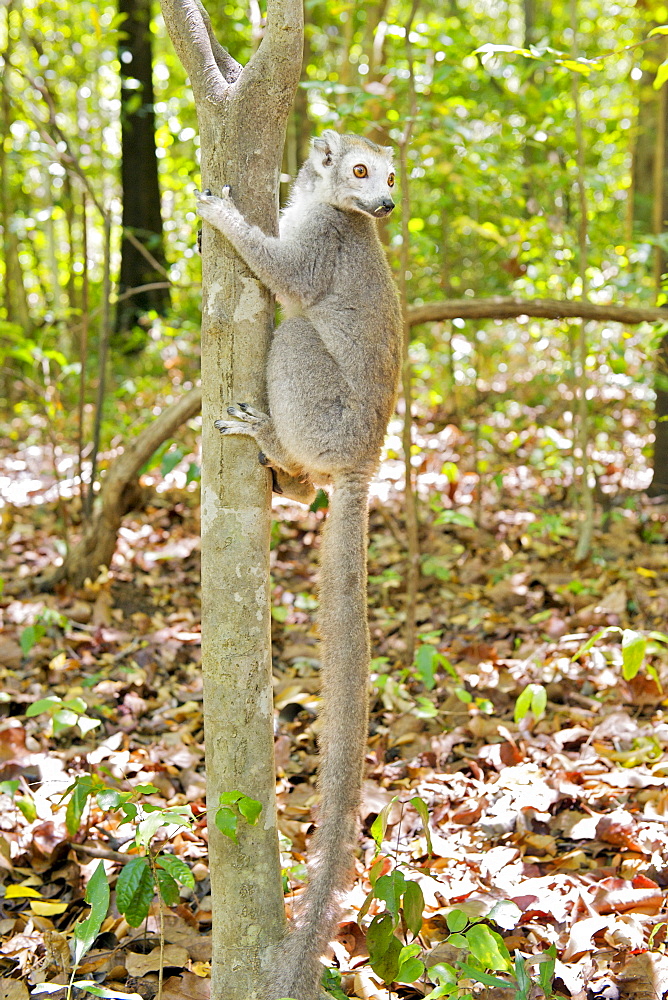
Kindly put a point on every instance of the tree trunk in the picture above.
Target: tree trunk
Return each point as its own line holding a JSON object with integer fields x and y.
{"x": 142, "y": 254}
{"x": 242, "y": 114}
{"x": 649, "y": 210}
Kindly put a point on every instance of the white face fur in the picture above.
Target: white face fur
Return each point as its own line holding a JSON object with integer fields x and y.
{"x": 358, "y": 176}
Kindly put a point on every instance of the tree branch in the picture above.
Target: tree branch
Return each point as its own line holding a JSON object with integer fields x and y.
{"x": 281, "y": 46}
{"x": 209, "y": 66}
{"x": 509, "y": 308}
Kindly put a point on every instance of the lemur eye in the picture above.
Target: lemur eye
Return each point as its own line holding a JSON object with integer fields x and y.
{"x": 390, "y": 181}
{"x": 360, "y": 170}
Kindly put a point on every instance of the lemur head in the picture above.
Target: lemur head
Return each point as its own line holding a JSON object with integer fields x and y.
{"x": 355, "y": 174}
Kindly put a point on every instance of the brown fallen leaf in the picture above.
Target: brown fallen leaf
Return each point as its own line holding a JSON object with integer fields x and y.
{"x": 13, "y": 989}
{"x": 138, "y": 965}
{"x": 186, "y": 986}
{"x": 619, "y": 828}
{"x": 644, "y": 977}
{"x": 178, "y": 932}
{"x": 617, "y": 895}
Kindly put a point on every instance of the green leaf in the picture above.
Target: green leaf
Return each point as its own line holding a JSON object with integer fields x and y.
{"x": 533, "y": 699}
{"x": 110, "y": 798}
{"x": 10, "y": 787}
{"x": 148, "y": 827}
{"x": 43, "y": 705}
{"x": 522, "y": 977}
{"x": 456, "y": 920}
{"x": 83, "y": 787}
{"x": 97, "y": 897}
{"x": 443, "y": 974}
{"x": 457, "y": 941}
{"x": 135, "y": 890}
{"x": 331, "y": 983}
{"x": 30, "y": 636}
{"x": 170, "y": 461}
{"x": 226, "y": 821}
{"x": 413, "y": 908}
{"x": 390, "y": 888}
{"x": 426, "y": 662}
{"x": 384, "y": 948}
{"x": 194, "y": 473}
{"x": 177, "y": 868}
{"x": 27, "y": 807}
{"x": 376, "y": 869}
{"x": 661, "y": 75}
{"x": 169, "y": 890}
{"x": 594, "y": 638}
{"x": 321, "y": 501}
{"x": 64, "y": 719}
{"x": 420, "y": 807}
{"x": 546, "y": 966}
{"x": 487, "y": 947}
{"x": 634, "y": 646}
{"x": 90, "y": 986}
{"x": 250, "y": 809}
{"x": 478, "y": 976}
{"x": 379, "y": 825}
{"x": 77, "y": 705}
{"x": 410, "y": 971}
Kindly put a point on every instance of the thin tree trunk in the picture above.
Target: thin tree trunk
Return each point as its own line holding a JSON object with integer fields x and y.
{"x": 139, "y": 172}
{"x": 242, "y": 113}
{"x": 583, "y": 428}
{"x": 412, "y": 574}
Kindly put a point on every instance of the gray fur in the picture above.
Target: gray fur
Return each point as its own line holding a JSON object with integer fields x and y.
{"x": 332, "y": 377}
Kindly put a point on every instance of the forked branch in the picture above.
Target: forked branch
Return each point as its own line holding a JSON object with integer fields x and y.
{"x": 210, "y": 67}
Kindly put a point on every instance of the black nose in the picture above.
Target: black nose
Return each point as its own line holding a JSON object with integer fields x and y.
{"x": 388, "y": 204}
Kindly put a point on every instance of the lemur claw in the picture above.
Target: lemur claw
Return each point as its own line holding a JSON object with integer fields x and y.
{"x": 242, "y": 411}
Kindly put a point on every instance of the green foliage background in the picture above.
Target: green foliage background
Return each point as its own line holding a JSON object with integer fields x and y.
{"x": 493, "y": 177}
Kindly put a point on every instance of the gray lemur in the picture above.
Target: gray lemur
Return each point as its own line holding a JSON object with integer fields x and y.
{"x": 332, "y": 377}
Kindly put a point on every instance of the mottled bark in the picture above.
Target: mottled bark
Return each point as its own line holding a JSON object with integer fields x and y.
{"x": 242, "y": 114}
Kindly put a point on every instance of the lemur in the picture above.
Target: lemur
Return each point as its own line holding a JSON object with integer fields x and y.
{"x": 332, "y": 378}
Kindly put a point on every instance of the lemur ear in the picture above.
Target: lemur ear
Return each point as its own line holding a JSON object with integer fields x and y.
{"x": 326, "y": 144}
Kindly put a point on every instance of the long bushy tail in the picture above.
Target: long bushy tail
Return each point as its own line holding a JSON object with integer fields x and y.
{"x": 345, "y": 666}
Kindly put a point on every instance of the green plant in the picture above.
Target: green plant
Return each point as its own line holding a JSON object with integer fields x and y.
{"x": 532, "y": 699}
{"x": 635, "y": 647}
{"x": 64, "y": 714}
{"x": 233, "y": 807}
{"x": 85, "y": 932}
{"x": 149, "y": 872}
{"x": 46, "y": 620}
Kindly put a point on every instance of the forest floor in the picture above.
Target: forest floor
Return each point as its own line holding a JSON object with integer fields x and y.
{"x": 544, "y": 766}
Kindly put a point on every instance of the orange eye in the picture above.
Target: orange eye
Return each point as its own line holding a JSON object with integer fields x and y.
{"x": 390, "y": 181}
{"x": 360, "y": 170}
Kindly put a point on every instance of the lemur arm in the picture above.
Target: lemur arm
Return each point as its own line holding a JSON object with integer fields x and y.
{"x": 287, "y": 267}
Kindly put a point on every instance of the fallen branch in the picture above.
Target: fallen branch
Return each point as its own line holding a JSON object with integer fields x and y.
{"x": 119, "y": 495}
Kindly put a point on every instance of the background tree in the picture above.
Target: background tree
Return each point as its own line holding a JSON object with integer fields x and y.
{"x": 142, "y": 250}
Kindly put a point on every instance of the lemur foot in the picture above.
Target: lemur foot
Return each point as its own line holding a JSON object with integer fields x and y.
{"x": 242, "y": 411}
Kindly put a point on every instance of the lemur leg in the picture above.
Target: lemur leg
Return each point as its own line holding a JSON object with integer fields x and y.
{"x": 289, "y": 479}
